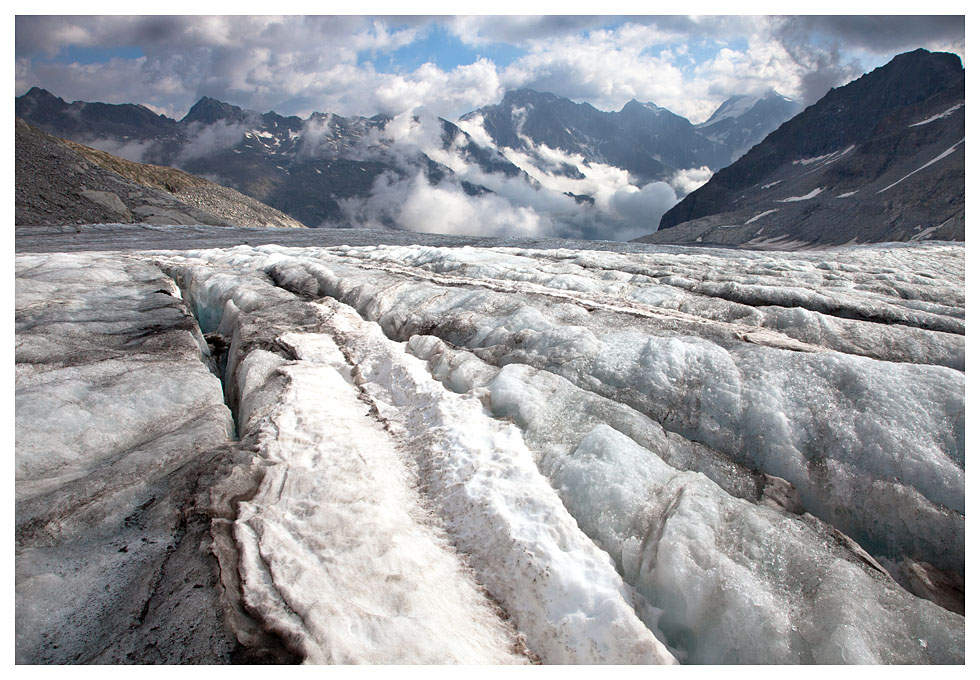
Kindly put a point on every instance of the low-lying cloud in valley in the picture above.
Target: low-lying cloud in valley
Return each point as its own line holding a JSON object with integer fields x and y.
{"x": 536, "y": 203}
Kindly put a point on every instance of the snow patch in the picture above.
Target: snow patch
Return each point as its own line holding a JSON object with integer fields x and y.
{"x": 938, "y": 116}
{"x": 761, "y": 215}
{"x": 938, "y": 158}
{"x": 804, "y": 197}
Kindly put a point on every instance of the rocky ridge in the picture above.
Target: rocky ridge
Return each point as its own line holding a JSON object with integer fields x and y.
{"x": 649, "y": 141}
{"x": 879, "y": 159}
{"x": 62, "y": 182}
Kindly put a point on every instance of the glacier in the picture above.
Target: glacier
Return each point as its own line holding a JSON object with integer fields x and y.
{"x": 496, "y": 451}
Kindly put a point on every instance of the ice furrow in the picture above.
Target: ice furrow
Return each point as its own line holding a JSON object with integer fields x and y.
{"x": 561, "y": 592}
{"x": 799, "y": 304}
{"x": 562, "y": 618}
{"x": 592, "y": 302}
{"x": 836, "y": 427}
{"x": 334, "y": 554}
{"x": 682, "y": 541}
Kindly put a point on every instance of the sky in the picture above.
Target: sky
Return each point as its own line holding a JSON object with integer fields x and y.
{"x": 450, "y": 65}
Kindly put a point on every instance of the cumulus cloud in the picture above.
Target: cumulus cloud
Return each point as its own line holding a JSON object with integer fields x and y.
{"x": 414, "y": 204}
{"x": 686, "y": 181}
{"x": 297, "y": 65}
{"x": 291, "y": 64}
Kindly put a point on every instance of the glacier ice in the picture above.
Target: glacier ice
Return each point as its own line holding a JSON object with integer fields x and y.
{"x": 684, "y": 541}
{"x": 504, "y": 454}
{"x": 116, "y": 419}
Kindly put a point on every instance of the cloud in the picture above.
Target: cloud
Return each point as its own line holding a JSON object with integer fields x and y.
{"x": 291, "y": 64}
{"x": 297, "y": 65}
{"x": 204, "y": 140}
{"x": 444, "y": 208}
{"x": 618, "y": 208}
{"x": 686, "y": 181}
{"x": 136, "y": 151}
{"x": 493, "y": 203}
{"x": 640, "y": 205}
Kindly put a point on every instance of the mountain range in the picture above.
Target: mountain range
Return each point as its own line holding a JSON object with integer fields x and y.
{"x": 879, "y": 159}
{"x": 308, "y": 168}
{"x": 647, "y": 140}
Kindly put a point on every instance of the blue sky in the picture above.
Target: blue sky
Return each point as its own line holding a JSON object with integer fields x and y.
{"x": 448, "y": 65}
{"x": 440, "y": 47}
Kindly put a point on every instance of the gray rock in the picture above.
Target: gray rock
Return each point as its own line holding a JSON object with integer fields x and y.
{"x": 59, "y": 182}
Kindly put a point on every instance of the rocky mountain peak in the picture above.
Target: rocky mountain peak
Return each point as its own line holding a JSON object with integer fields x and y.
{"x": 209, "y": 110}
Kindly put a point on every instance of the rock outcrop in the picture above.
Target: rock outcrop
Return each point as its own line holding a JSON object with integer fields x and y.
{"x": 61, "y": 182}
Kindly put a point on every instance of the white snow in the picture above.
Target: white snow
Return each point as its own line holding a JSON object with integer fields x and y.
{"x": 733, "y": 109}
{"x": 805, "y": 197}
{"x": 938, "y": 158}
{"x": 925, "y": 233}
{"x": 826, "y": 158}
{"x": 938, "y": 116}
{"x": 761, "y": 215}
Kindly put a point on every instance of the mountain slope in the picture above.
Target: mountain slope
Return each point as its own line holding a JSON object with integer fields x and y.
{"x": 878, "y": 159}
{"x": 62, "y": 182}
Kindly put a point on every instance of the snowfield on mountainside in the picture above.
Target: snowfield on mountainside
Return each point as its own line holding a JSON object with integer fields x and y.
{"x": 497, "y": 454}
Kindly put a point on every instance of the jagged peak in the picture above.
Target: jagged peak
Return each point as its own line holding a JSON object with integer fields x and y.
{"x": 39, "y": 92}
{"x": 527, "y": 95}
{"x": 210, "y": 110}
{"x": 635, "y": 105}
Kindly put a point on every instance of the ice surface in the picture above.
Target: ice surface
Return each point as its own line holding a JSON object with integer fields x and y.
{"x": 839, "y": 427}
{"x": 681, "y": 540}
{"x": 514, "y": 453}
{"x": 116, "y": 416}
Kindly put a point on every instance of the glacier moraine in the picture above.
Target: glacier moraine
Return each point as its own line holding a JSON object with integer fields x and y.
{"x": 505, "y": 454}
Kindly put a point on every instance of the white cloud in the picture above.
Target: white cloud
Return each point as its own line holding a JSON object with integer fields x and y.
{"x": 204, "y": 140}
{"x": 686, "y": 181}
{"x": 416, "y": 205}
{"x": 297, "y": 64}
{"x": 641, "y": 209}
{"x": 133, "y": 151}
